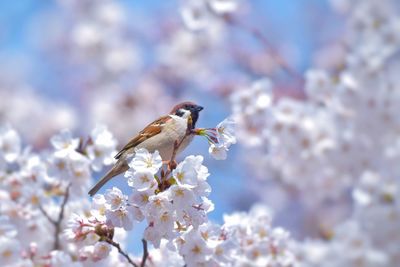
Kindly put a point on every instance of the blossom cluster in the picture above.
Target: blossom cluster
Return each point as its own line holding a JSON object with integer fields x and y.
{"x": 219, "y": 138}
{"x": 171, "y": 205}
{"x": 326, "y": 140}
{"x": 245, "y": 239}
{"x": 48, "y": 190}
{"x": 173, "y": 202}
{"x": 39, "y": 190}
{"x": 340, "y": 142}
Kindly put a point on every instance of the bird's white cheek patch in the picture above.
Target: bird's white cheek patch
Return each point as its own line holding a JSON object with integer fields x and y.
{"x": 186, "y": 113}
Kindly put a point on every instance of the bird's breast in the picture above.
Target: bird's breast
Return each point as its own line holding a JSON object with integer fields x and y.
{"x": 173, "y": 131}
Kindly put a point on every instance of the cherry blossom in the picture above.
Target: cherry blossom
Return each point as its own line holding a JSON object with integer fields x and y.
{"x": 219, "y": 138}
{"x": 101, "y": 147}
{"x": 10, "y": 144}
{"x": 145, "y": 161}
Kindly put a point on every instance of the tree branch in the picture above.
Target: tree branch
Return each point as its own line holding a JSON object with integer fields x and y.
{"x": 116, "y": 245}
{"x": 57, "y": 223}
{"x": 44, "y": 212}
{"x": 60, "y": 218}
{"x": 258, "y": 35}
{"x": 145, "y": 253}
{"x": 172, "y": 163}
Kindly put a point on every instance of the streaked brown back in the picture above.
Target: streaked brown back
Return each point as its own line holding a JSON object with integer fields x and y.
{"x": 149, "y": 131}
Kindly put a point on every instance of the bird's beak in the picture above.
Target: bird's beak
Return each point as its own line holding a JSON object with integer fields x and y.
{"x": 199, "y": 108}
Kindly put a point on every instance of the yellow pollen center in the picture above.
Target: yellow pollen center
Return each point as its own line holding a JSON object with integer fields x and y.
{"x": 145, "y": 198}
{"x": 98, "y": 153}
{"x": 180, "y": 176}
{"x": 144, "y": 179}
{"x": 34, "y": 200}
{"x": 157, "y": 202}
{"x": 196, "y": 249}
{"x": 116, "y": 201}
{"x": 121, "y": 214}
{"x": 102, "y": 210}
{"x": 179, "y": 193}
{"x": 149, "y": 163}
{"x": 6, "y": 253}
{"x": 256, "y": 253}
{"x": 204, "y": 235}
{"x": 262, "y": 233}
{"x": 78, "y": 174}
{"x": 61, "y": 165}
{"x": 164, "y": 217}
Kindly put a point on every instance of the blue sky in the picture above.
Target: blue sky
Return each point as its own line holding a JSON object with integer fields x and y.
{"x": 292, "y": 20}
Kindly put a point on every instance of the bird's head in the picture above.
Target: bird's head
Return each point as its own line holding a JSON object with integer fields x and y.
{"x": 185, "y": 109}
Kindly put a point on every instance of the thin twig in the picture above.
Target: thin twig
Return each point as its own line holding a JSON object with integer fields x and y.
{"x": 257, "y": 34}
{"x": 116, "y": 245}
{"x": 174, "y": 153}
{"x": 44, "y": 212}
{"x": 172, "y": 163}
{"x": 57, "y": 223}
{"x": 145, "y": 253}
{"x": 60, "y": 218}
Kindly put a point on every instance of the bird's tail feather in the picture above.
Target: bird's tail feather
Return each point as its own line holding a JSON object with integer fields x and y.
{"x": 118, "y": 168}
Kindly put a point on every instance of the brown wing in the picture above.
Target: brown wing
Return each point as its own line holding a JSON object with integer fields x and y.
{"x": 149, "y": 131}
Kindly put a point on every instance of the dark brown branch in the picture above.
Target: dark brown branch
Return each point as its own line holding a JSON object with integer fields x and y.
{"x": 145, "y": 253}
{"x": 172, "y": 163}
{"x": 57, "y": 223}
{"x": 164, "y": 183}
{"x": 177, "y": 144}
{"x": 116, "y": 245}
{"x": 60, "y": 218}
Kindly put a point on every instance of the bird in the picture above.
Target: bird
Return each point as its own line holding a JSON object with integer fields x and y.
{"x": 162, "y": 135}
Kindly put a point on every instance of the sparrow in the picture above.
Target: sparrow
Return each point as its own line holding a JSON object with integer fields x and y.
{"x": 162, "y": 135}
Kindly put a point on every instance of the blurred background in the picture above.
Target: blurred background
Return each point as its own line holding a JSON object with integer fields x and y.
{"x": 75, "y": 64}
